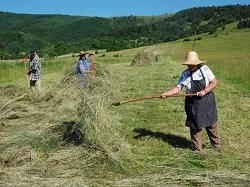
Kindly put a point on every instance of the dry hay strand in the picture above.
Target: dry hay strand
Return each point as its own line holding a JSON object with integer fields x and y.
{"x": 100, "y": 70}
{"x": 14, "y": 102}
{"x": 101, "y": 127}
{"x": 19, "y": 102}
{"x": 14, "y": 157}
{"x": 143, "y": 59}
{"x": 70, "y": 76}
{"x": 12, "y": 91}
{"x": 95, "y": 125}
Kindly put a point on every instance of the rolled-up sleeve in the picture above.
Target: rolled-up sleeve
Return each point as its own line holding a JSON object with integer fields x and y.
{"x": 209, "y": 73}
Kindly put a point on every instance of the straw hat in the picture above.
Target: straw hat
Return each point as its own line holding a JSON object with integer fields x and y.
{"x": 192, "y": 59}
{"x": 82, "y": 53}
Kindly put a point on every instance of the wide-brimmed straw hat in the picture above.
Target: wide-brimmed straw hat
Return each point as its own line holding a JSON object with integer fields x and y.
{"x": 192, "y": 59}
{"x": 83, "y": 53}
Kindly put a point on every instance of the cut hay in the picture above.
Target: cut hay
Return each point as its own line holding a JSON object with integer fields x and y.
{"x": 61, "y": 131}
{"x": 101, "y": 127}
{"x": 143, "y": 59}
{"x": 95, "y": 122}
{"x": 69, "y": 75}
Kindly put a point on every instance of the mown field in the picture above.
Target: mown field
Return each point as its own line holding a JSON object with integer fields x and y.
{"x": 61, "y": 137}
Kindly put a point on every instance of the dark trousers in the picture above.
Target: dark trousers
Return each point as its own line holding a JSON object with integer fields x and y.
{"x": 213, "y": 134}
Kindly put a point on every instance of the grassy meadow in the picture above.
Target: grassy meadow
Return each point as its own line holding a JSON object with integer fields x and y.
{"x": 61, "y": 137}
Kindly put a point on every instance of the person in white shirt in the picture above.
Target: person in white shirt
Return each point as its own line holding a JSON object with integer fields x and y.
{"x": 201, "y": 110}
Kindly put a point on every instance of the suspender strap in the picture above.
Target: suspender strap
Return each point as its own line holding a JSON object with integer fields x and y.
{"x": 202, "y": 73}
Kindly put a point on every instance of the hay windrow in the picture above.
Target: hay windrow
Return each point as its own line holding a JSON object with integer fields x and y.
{"x": 38, "y": 143}
{"x": 100, "y": 125}
{"x": 95, "y": 121}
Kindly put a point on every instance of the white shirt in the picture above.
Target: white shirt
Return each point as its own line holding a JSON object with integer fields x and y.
{"x": 185, "y": 80}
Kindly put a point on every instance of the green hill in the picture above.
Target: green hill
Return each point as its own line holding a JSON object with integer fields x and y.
{"x": 61, "y": 34}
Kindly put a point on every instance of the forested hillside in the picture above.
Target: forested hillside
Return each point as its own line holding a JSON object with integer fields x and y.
{"x": 54, "y": 35}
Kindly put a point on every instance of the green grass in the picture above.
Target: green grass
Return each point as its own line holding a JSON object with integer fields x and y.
{"x": 15, "y": 70}
{"x": 143, "y": 143}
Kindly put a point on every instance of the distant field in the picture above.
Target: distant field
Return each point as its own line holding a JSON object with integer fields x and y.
{"x": 11, "y": 71}
{"x": 143, "y": 143}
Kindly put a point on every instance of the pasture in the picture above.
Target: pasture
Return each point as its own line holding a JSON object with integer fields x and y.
{"x": 143, "y": 143}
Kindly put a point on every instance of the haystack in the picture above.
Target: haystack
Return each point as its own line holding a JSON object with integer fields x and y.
{"x": 143, "y": 59}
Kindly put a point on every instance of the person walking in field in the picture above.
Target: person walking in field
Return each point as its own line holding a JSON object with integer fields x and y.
{"x": 201, "y": 110}
{"x": 156, "y": 58}
{"x": 35, "y": 70}
{"x": 83, "y": 69}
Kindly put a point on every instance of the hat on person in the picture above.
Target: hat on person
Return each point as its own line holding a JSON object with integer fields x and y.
{"x": 82, "y": 53}
{"x": 32, "y": 50}
{"x": 192, "y": 59}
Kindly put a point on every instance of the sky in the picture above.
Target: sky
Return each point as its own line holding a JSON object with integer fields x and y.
{"x": 109, "y": 8}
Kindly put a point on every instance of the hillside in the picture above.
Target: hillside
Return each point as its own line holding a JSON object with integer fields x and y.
{"x": 55, "y": 35}
{"x": 61, "y": 137}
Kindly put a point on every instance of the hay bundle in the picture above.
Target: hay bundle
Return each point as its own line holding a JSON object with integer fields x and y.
{"x": 143, "y": 59}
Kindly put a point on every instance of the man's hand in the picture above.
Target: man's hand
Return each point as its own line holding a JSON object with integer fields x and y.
{"x": 163, "y": 96}
{"x": 173, "y": 91}
{"x": 28, "y": 71}
{"x": 88, "y": 72}
{"x": 201, "y": 93}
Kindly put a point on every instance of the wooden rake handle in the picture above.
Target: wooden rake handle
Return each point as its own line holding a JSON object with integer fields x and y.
{"x": 150, "y": 97}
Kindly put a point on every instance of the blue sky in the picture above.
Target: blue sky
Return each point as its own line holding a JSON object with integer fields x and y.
{"x": 108, "y": 8}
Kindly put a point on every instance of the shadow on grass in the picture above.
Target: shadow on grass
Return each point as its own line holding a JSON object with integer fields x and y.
{"x": 173, "y": 140}
{"x": 73, "y": 132}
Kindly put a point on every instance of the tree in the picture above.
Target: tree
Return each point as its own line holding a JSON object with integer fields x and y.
{"x": 14, "y": 48}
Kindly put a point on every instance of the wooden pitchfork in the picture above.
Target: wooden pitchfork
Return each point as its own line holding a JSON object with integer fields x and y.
{"x": 151, "y": 97}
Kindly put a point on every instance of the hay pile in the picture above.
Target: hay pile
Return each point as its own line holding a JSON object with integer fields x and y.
{"x": 95, "y": 125}
{"x": 143, "y": 59}
{"x": 69, "y": 76}
{"x": 39, "y": 130}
